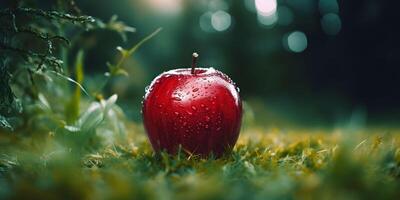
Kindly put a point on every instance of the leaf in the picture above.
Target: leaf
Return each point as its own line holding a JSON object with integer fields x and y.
{"x": 72, "y": 129}
{"x": 109, "y": 102}
{"x": 91, "y": 118}
{"x": 122, "y": 51}
{"x": 72, "y": 108}
{"x": 43, "y": 102}
{"x": 120, "y": 27}
{"x": 110, "y": 67}
{"x": 4, "y": 123}
{"x": 95, "y": 114}
{"x": 134, "y": 48}
{"x": 72, "y": 81}
{"x": 122, "y": 72}
{"x": 127, "y": 53}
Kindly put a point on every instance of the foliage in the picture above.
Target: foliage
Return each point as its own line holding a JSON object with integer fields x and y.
{"x": 34, "y": 45}
{"x": 276, "y": 165}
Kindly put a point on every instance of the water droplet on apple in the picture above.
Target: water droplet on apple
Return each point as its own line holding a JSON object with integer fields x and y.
{"x": 206, "y": 126}
{"x": 159, "y": 105}
{"x": 176, "y": 113}
{"x": 207, "y": 118}
{"x": 176, "y": 99}
{"x": 194, "y": 108}
{"x": 202, "y": 105}
{"x": 219, "y": 128}
{"x": 195, "y": 90}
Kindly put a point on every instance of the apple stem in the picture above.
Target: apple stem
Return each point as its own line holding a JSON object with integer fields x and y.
{"x": 194, "y": 62}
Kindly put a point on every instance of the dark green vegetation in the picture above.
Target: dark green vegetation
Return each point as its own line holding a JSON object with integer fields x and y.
{"x": 62, "y": 134}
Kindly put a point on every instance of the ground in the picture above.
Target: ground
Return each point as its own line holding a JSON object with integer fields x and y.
{"x": 265, "y": 164}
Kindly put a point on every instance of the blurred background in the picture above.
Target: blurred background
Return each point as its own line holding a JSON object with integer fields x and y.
{"x": 297, "y": 62}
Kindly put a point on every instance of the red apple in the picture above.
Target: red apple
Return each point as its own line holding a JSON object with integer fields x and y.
{"x": 197, "y": 109}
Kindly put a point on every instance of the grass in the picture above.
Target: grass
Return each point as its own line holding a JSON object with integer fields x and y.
{"x": 265, "y": 164}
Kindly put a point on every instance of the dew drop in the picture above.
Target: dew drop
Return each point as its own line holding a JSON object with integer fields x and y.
{"x": 207, "y": 109}
{"x": 219, "y": 128}
{"x": 206, "y": 126}
{"x": 194, "y": 108}
{"x": 160, "y": 106}
{"x": 202, "y": 105}
{"x": 176, "y": 99}
{"x": 207, "y": 118}
{"x": 176, "y": 113}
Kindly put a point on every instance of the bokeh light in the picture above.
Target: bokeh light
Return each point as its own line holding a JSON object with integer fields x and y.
{"x": 266, "y": 7}
{"x": 205, "y": 22}
{"x": 331, "y": 24}
{"x": 328, "y": 6}
{"x": 296, "y": 41}
{"x": 250, "y": 5}
{"x": 269, "y": 20}
{"x": 221, "y": 20}
{"x": 166, "y": 6}
{"x": 214, "y": 5}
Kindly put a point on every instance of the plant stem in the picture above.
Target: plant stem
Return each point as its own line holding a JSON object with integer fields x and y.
{"x": 194, "y": 62}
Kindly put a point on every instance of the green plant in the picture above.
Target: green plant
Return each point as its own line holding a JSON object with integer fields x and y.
{"x": 34, "y": 45}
